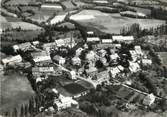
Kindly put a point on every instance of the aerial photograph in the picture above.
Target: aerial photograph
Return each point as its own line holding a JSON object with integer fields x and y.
{"x": 83, "y": 58}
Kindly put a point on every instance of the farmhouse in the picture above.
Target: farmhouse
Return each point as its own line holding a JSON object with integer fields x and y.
{"x": 126, "y": 39}
{"x": 12, "y": 60}
{"x": 23, "y": 47}
{"x": 65, "y": 102}
{"x": 90, "y": 32}
{"x": 149, "y": 100}
{"x": 133, "y": 14}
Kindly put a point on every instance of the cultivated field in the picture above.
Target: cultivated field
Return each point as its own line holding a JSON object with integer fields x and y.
{"x": 113, "y": 23}
{"x": 15, "y": 90}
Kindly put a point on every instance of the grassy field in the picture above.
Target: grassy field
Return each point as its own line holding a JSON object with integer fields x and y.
{"x": 11, "y": 22}
{"x": 113, "y": 23}
{"x": 15, "y": 90}
{"x": 40, "y": 14}
{"x": 22, "y": 2}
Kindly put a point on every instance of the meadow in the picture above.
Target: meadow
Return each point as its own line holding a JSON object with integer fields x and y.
{"x": 12, "y": 23}
{"x": 113, "y": 23}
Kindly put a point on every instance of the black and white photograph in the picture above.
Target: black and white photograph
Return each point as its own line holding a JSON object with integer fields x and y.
{"x": 83, "y": 58}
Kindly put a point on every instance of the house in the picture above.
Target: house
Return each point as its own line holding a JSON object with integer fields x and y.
{"x": 126, "y": 39}
{"x": 116, "y": 70}
{"x": 102, "y": 52}
{"x": 12, "y": 60}
{"x": 72, "y": 75}
{"x": 149, "y": 100}
{"x": 93, "y": 39}
{"x": 114, "y": 57}
{"x": 134, "y": 67}
{"x": 108, "y": 41}
{"x": 91, "y": 71}
{"x": 78, "y": 51}
{"x": 52, "y": 0}
{"x": 138, "y": 50}
{"x": 90, "y": 32}
{"x": 48, "y": 46}
{"x": 35, "y": 43}
{"x": 68, "y": 42}
{"x": 90, "y": 56}
{"x": 60, "y": 60}
{"x": 51, "y": 6}
{"x": 146, "y": 61}
{"x": 41, "y": 58}
{"x": 101, "y": 1}
{"x": 65, "y": 102}
{"x": 23, "y": 47}
{"x": 76, "y": 61}
{"x": 134, "y": 55}
{"x": 102, "y": 77}
{"x": 37, "y": 71}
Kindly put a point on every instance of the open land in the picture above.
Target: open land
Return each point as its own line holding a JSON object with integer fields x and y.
{"x": 15, "y": 90}
{"x": 113, "y": 23}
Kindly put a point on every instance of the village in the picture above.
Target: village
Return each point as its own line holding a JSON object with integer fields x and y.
{"x": 97, "y": 62}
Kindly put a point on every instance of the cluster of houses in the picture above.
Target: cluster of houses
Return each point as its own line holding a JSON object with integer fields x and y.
{"x": 43, "y": 64}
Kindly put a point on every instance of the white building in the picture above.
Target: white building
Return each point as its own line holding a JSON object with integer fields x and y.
{"x": 72, "y": 74}
{"x": 68, "y": 42}
{"x": 12, "y": 60}
{"x": 101, "y": 1}
{"x": 91, "y": 56}
{"x": 78, "y": 51}
{"x": 106, "y": 41}
{"x": 93, "y": 39}
{"x": 76, "y": 61}
{"x": 146, "y": 61}
{"x": 134, "y": 55}
{"x": 116, "y": 70}
{"x": 65, "y": 102}
{"x": 23, "y": 47}
{"x": 59, "y": 59}
{"x": 134, "y": 67}
{"x": 48, "y": 46}
{"x": 102, "y": 53}
{"x": 149, "y": 100}
{"x": 52, "y": 0}
{"x": 37, "y": 71}
{"x": 114, "y": 57}
{"x": 121, "y": 38}
{"x": 90, "y": 32}
{"x": 138, "y": 50}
